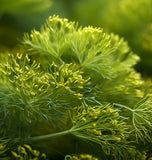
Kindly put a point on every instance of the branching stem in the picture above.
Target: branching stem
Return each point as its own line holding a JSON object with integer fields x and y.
{"x": 120, "y": 105}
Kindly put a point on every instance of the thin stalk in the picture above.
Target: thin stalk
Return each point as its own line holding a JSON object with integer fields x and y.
{"x": 48, "y": 136}
{"x": 120, "y": 105}
{"x": 44, "y": 137}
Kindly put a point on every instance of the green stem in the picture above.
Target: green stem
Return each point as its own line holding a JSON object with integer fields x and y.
{"x": 43, "y": 137}
{"x": 48, "y": 136}
{"x": 120, "y": 105}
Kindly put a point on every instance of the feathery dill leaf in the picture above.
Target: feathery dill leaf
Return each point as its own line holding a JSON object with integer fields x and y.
{"x": 140, "y": 118}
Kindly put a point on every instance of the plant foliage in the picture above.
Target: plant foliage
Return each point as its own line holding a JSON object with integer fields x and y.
{"x": 76, "y": 85}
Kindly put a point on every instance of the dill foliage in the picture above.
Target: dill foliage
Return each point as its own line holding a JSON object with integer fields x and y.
{"x": 74, "y": 85}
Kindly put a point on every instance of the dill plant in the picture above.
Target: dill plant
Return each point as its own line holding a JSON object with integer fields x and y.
{"x": 67, "y": 86}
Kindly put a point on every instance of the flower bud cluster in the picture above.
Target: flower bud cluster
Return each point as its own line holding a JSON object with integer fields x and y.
{"x": 66, "y": 77}
{"x": 23, "y": 78}
{"x": 27, "y": 152}
{"x": 100, "y": 124}
{"x": 81, "y": 157}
